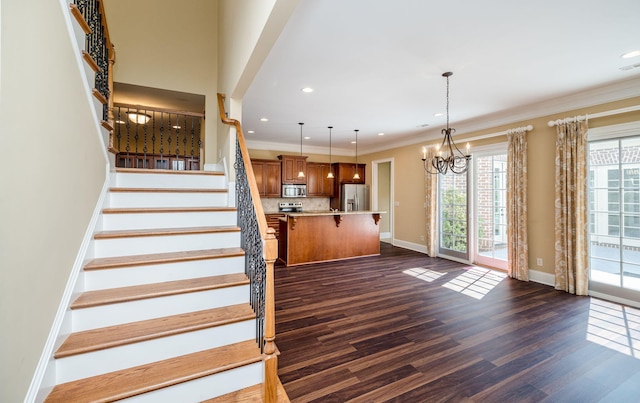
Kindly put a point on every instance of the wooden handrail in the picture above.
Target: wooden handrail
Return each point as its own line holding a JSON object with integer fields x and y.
{"x": 157, "y": 109}
{"x": 255, "y": 192}
{"x": 270, "y": 250}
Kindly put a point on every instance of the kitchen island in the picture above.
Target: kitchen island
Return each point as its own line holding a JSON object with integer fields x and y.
{"x": 311, "y": 237}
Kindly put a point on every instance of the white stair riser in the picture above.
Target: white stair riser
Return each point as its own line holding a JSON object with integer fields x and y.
{"x": 131, "y": 355}
{"x": 181, "y": 181}
{"x": 167, "y": 199}
{"x": 166, "y": 243}
{"x": 132, "y": 311}
{"x": 128, "y": 221}
{"x": 206, "y": 387}
{"x": 157, "y": 273}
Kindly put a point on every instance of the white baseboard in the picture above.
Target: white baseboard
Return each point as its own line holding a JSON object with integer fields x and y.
{"x": 410, "y": 245}
{"x": 542, "y": 278}
{"x": 385, "y": 235}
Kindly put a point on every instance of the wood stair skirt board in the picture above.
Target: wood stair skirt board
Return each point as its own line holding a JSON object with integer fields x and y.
{"x": 164, "y": 311}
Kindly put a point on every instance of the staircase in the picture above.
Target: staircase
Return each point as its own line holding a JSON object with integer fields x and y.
{"x": 164, "y": 313}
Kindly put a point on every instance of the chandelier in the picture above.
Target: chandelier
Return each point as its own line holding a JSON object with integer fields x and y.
{"x": 448, "y": 156}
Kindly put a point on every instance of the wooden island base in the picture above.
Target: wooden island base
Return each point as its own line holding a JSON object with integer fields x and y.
{"x": 321, "y": 237}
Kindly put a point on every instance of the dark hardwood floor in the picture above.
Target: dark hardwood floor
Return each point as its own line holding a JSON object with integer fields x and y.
{"x": 363, "y": 330}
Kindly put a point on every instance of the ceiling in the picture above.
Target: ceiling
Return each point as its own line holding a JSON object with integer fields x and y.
{"x": 376, "y": 66}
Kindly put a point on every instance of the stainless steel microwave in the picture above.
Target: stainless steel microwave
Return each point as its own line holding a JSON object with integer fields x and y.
{"x": 294, "y": 190}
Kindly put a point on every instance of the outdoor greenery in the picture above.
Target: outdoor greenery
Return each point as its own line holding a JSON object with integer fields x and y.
{"x": 454, "y": 220}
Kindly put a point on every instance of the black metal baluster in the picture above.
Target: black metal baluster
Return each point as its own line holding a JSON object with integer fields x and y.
{"x": 128, "y": 147}
{"x": 136, "y": 137}
{"x": 162, "y": 139}
{"x": 169, "y": 139}
{"x": 118, "y": 129}
{"x": 251, "y": 242}
{"x": 184, "y": 140}
{"x": 153, "y": 134}
{"x": 144, "y": 145}
{"x": 192, "y": 139}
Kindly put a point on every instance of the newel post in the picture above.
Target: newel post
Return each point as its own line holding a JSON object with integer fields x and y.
{"x": 270, "y": 390}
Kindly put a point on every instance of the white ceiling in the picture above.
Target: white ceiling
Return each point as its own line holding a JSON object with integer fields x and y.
{"x": 376, "y": 66}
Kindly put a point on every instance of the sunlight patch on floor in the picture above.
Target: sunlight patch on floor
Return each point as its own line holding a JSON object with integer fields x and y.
{"x": 424, "y": 274}
{"x": 476, "y": 282}
{"x": 614, "y": 326}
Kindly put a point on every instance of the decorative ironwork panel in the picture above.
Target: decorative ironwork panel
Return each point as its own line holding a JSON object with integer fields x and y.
{"x": 251, "y": 242}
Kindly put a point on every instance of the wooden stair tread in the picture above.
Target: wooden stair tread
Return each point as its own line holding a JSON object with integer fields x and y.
{"x": 138, "y": 210}
{"x": 167, "y": 190}
{"x": 168, "y": 171}
{"x": 165, "y": 257}
{"x": 145, "y": 378}
{"x": 164, "y": 231}
{"x": 118, "y": 335}
{"x": 252, "y": 394}
{"x": 145, "y": 291}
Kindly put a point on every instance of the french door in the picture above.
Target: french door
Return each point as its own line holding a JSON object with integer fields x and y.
{"x": 490, "y": 212}
{"x": 453, "y": 216}
{"x": 614, "y": 215}
{"x": 472, "y": 213}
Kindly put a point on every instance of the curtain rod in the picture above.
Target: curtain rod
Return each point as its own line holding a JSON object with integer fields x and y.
{"x": 578, "y": 118}
{"x": 502, "y": 133}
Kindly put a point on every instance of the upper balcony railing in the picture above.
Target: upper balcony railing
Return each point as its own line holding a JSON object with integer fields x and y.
{"x": 155, "y": 138}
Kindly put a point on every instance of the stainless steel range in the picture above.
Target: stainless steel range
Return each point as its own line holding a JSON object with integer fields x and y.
{"x": 290, "y": 207}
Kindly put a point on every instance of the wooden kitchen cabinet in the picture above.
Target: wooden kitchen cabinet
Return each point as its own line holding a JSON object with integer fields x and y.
{"x": 291, "y": 165}
{"x": 344, "y": 171}
{"x": 267, "y": 173}
{"x": 317, "y": 182}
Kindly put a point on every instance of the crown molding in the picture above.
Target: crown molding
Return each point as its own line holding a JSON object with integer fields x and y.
{"x": 295, "y": 148}
{"x": 617, "y": 91}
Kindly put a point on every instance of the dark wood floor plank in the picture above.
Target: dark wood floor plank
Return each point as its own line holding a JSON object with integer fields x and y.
{"x": 363, "y": 330}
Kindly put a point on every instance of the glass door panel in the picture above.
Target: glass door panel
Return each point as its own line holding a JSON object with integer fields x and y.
{"x": 490, "y": 210}
{"x": 614, "y": 212}
{"x": 452, "y": 197}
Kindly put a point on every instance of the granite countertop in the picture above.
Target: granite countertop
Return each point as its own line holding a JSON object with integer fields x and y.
{"x": 331, "y": 213}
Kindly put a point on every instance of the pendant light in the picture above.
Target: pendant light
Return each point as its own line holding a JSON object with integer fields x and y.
{"x": 356, "y": 176}
{"x": 449, "y": 156}
{"x": 330, "y": 174}
{"x": 301, "y": 173}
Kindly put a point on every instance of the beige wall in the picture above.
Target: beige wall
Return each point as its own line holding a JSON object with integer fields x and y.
{"x": 248, "y": 30}
{"x": 160, "y": 45}
{"x": 409, "y": 179}
{"x": 48, "y": 191}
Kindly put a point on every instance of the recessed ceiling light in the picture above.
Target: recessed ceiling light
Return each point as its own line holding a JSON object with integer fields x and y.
{"x": 176, "y": 127}
{"x": 307, "y": 89}
{"x": 353, "y": 142}
{"x": 307, "y": 137}
{"x": 264, "y": 119}
{"x": 250, "y": 131}
{"x": 120, "y": 122}
{"x": 380, "y": 134}
{"x": 629, "y": 55}
{"x": 437, "y": 115}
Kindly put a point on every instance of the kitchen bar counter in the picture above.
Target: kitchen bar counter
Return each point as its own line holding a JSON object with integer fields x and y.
{"x": 320, "y": 236}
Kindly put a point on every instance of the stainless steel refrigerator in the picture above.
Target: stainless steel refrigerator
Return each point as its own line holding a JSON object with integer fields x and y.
{"x": 354, "y": 197}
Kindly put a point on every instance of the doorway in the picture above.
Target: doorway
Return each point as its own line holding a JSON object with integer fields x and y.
{"x": 382, "y": 196}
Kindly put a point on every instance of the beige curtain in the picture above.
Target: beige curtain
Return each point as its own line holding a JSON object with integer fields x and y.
{"x": 571, "y": 260}
{"x": 431, "y": 202}
{"x": 517, "y": 241}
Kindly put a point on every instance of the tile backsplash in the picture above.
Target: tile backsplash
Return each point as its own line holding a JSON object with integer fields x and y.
{"x": 270, "y": 204}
